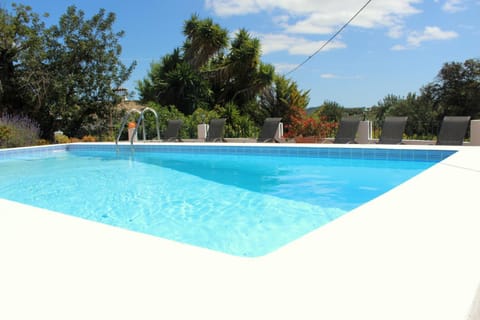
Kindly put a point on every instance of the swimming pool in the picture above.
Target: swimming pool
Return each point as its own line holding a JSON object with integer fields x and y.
{"x": 245, "y": 201}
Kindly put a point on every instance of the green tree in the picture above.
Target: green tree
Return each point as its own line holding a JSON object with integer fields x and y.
{"x": 204, "y": 41}
{"x": 86, "y": 69}
{"x": 381, "y": 110}
{"x": 331, "y": 110}
{"x": 456, "y": 90}
{"x": 280, "y": 99}
{"x": 174, "y": 82}
{"x": 423, "y": 117}
{"x": 208, "y": 70}
{"x": 243, "y": 76}
{"x": 154, "y": 87}
{"x": 182, "y": 78}
{"x": 418, "y": 109}
{"x": 23, "y": 79}
{"x": 67, "y": 72}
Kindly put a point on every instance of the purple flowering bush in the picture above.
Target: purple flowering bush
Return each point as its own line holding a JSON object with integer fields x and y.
{"x": 18, "y": 131}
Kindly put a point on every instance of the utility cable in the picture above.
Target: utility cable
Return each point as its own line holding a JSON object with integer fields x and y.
{"x": 331, "y": 38}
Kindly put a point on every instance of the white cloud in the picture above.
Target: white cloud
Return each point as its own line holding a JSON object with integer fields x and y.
{"x": 231, "y": 8}
{"x": 328, "y": 76}
{"x": 284, "y": 67}
{"x": 321, "y": 17}
{"x": 399, "y": 47}
{"x": 294, "y": 45}
{"x": 430, "y": 33}
{"x": 453, "y": 6}
{"x": 314, "y": 17}
{"x": 336, "y": 76}
{"x": 396, "y": 32}
{"x": 281, "y": 20}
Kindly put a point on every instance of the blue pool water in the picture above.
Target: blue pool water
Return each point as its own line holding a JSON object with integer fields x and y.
{"x": 244, "y": 203}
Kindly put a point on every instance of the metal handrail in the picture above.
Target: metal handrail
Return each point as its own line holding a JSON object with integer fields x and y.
{"x": 124, "y": 122}
{"x": 141, "y": 121}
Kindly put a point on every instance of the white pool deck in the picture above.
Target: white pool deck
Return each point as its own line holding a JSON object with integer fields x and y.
{"x": 412, "y": 253}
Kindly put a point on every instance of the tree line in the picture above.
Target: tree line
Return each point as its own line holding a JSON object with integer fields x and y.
{"x": 210, "y": 75}
{"x": 65, "y": 77}
{"x": 62, "y": 76}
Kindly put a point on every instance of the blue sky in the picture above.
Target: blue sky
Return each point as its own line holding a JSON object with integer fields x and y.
{"x": 392, "y": 47}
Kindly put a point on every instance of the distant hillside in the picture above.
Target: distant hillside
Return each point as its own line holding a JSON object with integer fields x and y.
{"x": 312, "y": 110}
{"x": 346, "y": 111}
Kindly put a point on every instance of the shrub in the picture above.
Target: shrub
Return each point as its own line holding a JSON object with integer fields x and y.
{"x": 61, "y": 138}
{"x": 237, "y": 125}
{"x": 89, "y": 138}
{"x": 5, "y": 134}
{"x": 18, "y": 131}
{"x": 42, "y": 142}
{"x": 303, "y": 125}
{"x": 199, "y": 116}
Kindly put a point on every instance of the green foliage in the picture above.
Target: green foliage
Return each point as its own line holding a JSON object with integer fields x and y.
{"x": 164, "y": 113}
{"x": 61, "y": 138}
{"x": 86, "y": 63}
{"x": 209, "y": 72}
{"x": 242, "y": 75}
{"x": 175, "y": 82}
{"x": 281, "y": 99}
{"x": 5, "y": 135}
{"x": 182, "y": 78}
{"x": 331, "y": 110}
{"x": 153, "y": 88}
{"x": 18, "y": 131}
{"x": 237, "y": 125}
{"x": 205, "y": 39}
{"x": 420, "y": 124}
{"x": 63, "y": 76}
{"x": 23, "y": 78}
{"x": 199, "y": 116}
{"x": 456, "y": 90}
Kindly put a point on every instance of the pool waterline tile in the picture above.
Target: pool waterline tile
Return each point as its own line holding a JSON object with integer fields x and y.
{"x": 274, "y": 151}
{"x": 289, "y": 151}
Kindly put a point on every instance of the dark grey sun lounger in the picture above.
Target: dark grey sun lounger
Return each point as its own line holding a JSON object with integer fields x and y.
{"x": 216, "y": 130}
{"x": 453, "y": 130}
{"x": 392, "y": 130}
{"x": 173, "y": 130}
{"x": 269, "y": 130}
{"x": 347, "y": 130}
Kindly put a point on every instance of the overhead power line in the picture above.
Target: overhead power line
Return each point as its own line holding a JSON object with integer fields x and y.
{"x": 331, "y": 38}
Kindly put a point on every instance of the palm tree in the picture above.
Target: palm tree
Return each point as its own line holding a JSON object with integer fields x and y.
{"x": 205, "y": 74}
{"x": 205, "y": 40}
{"x": 242, "y": 75}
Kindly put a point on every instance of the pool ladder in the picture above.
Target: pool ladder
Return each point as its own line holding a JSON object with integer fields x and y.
{"x": 140, "y": 123}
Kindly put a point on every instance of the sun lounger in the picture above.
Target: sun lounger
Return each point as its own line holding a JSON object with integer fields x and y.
{"x": 216, "y": 130}
{"x": 172, "y": 131}
{"x": 347, "y": 130}
{"x": 269, "y": 130}
{"x": 392, "y": 130}
{"x": 453, "y": 130}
